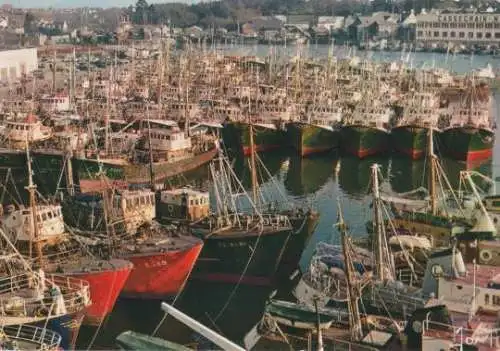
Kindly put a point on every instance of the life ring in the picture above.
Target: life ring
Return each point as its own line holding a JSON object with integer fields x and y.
{"x": 170, "y": 208}
{"x": 485, "y": 255}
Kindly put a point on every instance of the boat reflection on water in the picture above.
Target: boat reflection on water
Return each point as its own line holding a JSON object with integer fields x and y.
{"x": 273, "y": 162}
{"x": 407, "y": 174}
{"x": 453, "y": 168}
{"x": 354, "y": 174}
{"x": 307, "y": 175}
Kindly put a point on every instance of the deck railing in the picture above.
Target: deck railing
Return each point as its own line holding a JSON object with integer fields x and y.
{"x": 45, "y": 338}
{"x": 75, "y": 294}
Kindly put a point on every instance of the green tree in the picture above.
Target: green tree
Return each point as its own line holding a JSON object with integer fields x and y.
{"x": 141, "y": 12}
{"x": 29, "y": 23}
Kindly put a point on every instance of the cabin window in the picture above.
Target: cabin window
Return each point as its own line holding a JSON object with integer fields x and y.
{"x": 49, "y": 215}
{"x": 496, "y": 203}
{"x": 142, "y": 200}
{"x": 487, "y": 299}
{"x": 191, "y": 202}
{"x": 44, "y": 216}
{"x": 495, "y": 300}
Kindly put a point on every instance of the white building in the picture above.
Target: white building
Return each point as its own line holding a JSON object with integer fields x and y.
{"x": 13, "y": 63}
{"x": 462, "y": 28}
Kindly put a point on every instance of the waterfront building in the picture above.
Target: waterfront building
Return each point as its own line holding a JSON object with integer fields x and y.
{"x": 14, "y": 63}
{"x": 459, "y": 28}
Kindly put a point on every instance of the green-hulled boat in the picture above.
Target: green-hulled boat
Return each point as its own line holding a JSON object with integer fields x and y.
{"x": 365, "y": 132}
{"x": 236, "y": 137}
{"x": 409, "y": 135}
{"x": 318, "y": 133}
{"x": 297, "y": 316}
{"x": 310, "y": 139}
{"x": 130, "y": 340}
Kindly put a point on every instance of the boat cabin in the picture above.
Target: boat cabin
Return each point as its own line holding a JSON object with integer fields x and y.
{"x": 49, "y": 220}
{"x": 184, "y": 204}
{"x": 31, "y": 129}
{"x": 135, "y": 206}
{"x": 373, "y": 116}
{"x": 55, "y": 103}
{"x": 166, "y": 136}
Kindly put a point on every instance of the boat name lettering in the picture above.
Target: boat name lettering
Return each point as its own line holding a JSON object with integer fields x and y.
{"x": 159, "y": 263}
{"x": 233, "y": 244}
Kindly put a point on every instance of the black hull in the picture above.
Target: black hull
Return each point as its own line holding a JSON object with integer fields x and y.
{"x": 249, "y": 258}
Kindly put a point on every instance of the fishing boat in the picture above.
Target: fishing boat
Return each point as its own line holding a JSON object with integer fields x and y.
{"x": 248, "y": 245}
{"x": 39, "y": 233}
{"x": 441, "y": 216}
{"x": 27, "y": 337}
{"x": 33, "y": 300}
{"x": 366, "y": 131}
{"x": 409, "y": 134}
{"x": 130, "y": 340}
{"x": 352, "y": 328}
{"x": 470, "y": 134}
{"x": 318, "y": 132}
{"x": 163, "y": 150}
{"x": 297, "y": 316}
{"x": 464, "y": 312}
{"x": 235, "y": 136}
{"x": 120, "y": 224}
{"x": 25, "y": 127}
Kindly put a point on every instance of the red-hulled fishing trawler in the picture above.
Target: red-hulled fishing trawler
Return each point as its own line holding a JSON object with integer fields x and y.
{"x": 39, "y": 233}
{"x": 121, "y": 224}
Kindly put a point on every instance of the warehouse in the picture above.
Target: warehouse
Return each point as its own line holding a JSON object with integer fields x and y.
{"x": 13, "y": 63}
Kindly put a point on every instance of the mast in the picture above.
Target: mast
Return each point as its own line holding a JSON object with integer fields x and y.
{"x": 108, "y": 110}
{"x": 432, "y": 175}
{"x": 54, "y": 73}
{"x": 32, "y": 203}
{"x": 151, "y": 166}
{"x": 252, "y": 164}
{"x": 353, "y": 293}
{"x": 379, "y": 253}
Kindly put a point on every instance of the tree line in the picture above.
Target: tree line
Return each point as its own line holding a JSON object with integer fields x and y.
{"x": 230, "y": 13}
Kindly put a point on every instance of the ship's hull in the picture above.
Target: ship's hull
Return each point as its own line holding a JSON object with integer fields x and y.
{"x": 105, "y": 287}
{"x": 124, "y": 175}
{"x": 236, "y": 137}
{"x": 12, "y": 158}
{"x": 309, "y": 139}
{"x": 468, "y": 143}
{"x": 410, "y": 141}
{"x": 304, "y": 227}
{"x": 67, "y": 326}
{"x": 249, "y": 258}
{"x": 244, "y": 257}
{"x": 160, "y": 275}
{"x": 362, "y": 141}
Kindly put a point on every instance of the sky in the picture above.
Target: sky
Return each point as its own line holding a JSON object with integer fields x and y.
{"x": 82, "y": 3}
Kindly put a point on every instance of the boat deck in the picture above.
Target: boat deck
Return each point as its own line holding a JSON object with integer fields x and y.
{"x": 483, "y": 275}
{"x": 333, "y": 339}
